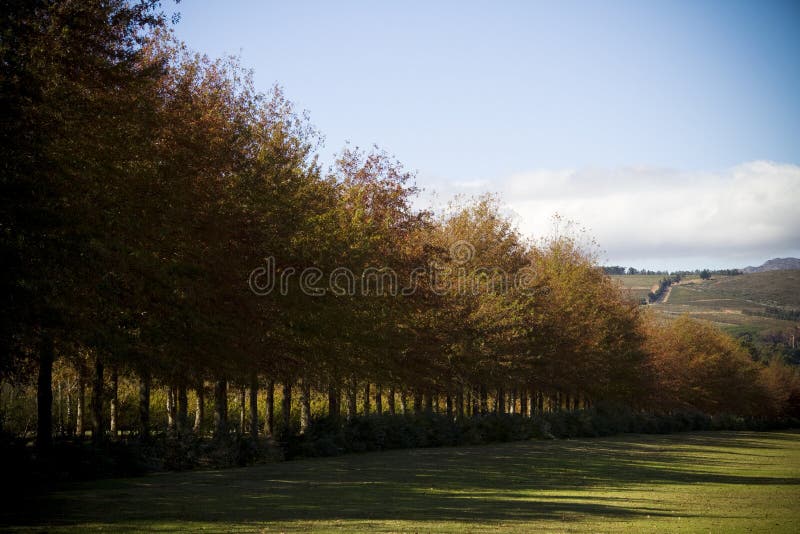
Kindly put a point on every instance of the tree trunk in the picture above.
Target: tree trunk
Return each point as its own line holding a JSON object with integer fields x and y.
{"x": 417, "y": 402}
{"x": 183, "y": 408}
{"x": 254, "y": 406}
{"x": 199, "y": 408}
{"x": 484, "y": 397}
{"x": 428, "y": 400}
{"x": 500, "y": 401}
{"x": 287, "y": 407}
{"x": 540, "y": 402}
{"x": 270, "y": 409}
{"x": 114, "y": 409}
{"x": 97, "y": 402}
{"x": 378, "y": 399}
{"x": 171, "y": 411}
{"x": 70, "y": 426}
{"x": 80, "y": 409}
{"x": 351, "y": 399}
{"x": 305, "y": 406}
{"x": 366, "y": 398}
{"x": 242, "y": 410}
{"x": 403, "y": 402}
{"x": 60, "y": 421}
{"x": 144, "y": 407}
{"x": 44, "y": 396}
{"x": 390, "y": 401}
{"x": 523, "y": 403}
{"x": 460, "y": 402}
{"x": 472, "y": 402}
{"x": 333, "y": 400}
{"x": 220, "y": 408}
{"x": 448, "y": 405}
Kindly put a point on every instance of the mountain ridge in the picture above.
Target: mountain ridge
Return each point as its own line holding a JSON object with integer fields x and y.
{"x": 775, "y": 264}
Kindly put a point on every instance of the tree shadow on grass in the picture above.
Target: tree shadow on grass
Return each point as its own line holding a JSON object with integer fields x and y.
{"x": 522, "y": 481}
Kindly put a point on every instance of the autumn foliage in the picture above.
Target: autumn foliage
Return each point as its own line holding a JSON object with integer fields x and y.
{"x": 144, "y": 185}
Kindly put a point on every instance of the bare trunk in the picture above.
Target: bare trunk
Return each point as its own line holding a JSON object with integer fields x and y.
{"x": 97, "y": 403}
{"x": 523, "y": 403}
{"x": 333, "y": 400}
{"x": 114, "y": 409}
{"x": 351, "y": 399}
{"x": 220, "y": 408}
{"x": 417, "y": 402}
{"x": 366, "y": 398}
{"x": 448, "y": 405}
{"x": 80, "y": 410}
{"x": 287, "y": 407}
{"x": 305, "y": 406}
{"x": 199, "y": 408}
{"x": 60, "y": 421}
{"x": 183, "y": 408}
{"x": 460, "y": 402}
{"x": 428, "y": 400}
{"x": 144, "y": 407}
{"x": 472, "y": 402}
{"x": 378, "y": 399}
{"x": 44, "y": 396}
{"x": 171, "y": 408}
{"x": 403, "y": 402}
{"x": 500, "y": 401}
{"x": 70, "y": 426}
{"x": 270, "y": 407}
{"x": 484, "y": 395}
{"x": 390, "y": 401}
{"x": 254, "y": 406}
{"x": 242, "y": 410}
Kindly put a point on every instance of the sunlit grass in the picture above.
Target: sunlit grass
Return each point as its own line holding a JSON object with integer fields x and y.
{"x": 712, "y": 481}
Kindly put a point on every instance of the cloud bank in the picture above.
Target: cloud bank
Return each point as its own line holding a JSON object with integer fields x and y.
{"x": 662, "y": 218}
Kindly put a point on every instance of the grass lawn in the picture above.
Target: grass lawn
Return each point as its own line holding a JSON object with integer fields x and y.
{"x": 702, "y": 481}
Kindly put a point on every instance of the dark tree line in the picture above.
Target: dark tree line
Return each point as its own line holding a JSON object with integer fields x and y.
{"x": 143, "y": 185}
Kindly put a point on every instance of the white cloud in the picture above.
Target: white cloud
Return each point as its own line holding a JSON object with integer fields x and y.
{"x": 741, "y": 215}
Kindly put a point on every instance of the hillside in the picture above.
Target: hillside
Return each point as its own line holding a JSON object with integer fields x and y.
{"x": 638, "y": 285}
{"x": 751, "y": 300}
{"x": 775, "y": 264}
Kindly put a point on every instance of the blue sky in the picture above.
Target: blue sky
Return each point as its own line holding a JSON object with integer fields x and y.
{"x": 491, "y": 96}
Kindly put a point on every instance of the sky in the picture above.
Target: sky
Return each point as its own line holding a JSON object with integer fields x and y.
{"x": 669, "y": 130}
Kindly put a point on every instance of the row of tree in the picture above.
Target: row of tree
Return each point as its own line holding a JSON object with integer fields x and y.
{"x": 703, "y": 273}
{"x": 164, "y": 223}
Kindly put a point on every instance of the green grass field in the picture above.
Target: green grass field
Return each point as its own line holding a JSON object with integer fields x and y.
{"x": 723, "y": 299}
{"x": 637, "y": 285}
{"x": 706, "y": 481}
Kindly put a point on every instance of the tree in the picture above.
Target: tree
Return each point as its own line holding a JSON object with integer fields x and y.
{"x": 696, "y": 366}
{"x": 71, "y": 74}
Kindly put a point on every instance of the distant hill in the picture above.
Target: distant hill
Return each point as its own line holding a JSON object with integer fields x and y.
{"x": 758, "y": 302}
{"x": 775, "y": 264}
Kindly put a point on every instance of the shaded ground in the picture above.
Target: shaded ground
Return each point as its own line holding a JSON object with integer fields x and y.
{"x": 718, "y": 481}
